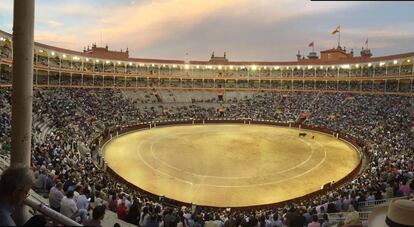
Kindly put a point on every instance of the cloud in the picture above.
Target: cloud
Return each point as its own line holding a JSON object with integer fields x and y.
{"x": 72, "y": 9}
{"x": 6, "y": 6}
{"x": 54, "y": 24}
{"x": 382, "y": 36}
{"x": 145, "y": 24}
{"x": 246, "y": 29}
{"x": 68, "y": 41}
{"x": 394, "y": 31}
{"x": 283, "y": 10}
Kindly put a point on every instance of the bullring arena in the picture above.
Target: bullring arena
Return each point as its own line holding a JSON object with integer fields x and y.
{"x": 320, "y": 140}
{"x": 229, "y": 165}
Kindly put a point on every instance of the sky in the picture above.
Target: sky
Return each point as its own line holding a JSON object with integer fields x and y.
{"x": 255, "y": 30}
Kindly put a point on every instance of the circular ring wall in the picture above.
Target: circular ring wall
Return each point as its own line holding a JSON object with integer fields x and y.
{"x": 229, "y": 165}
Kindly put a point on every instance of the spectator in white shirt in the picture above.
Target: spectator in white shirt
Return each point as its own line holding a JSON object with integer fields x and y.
{"x": 68, "y": 205}
{"x": 83, "y": 204}
{"x": 218, "y": 221}
{"x": 127, "y": 203}
{"x": 76, "y": 193}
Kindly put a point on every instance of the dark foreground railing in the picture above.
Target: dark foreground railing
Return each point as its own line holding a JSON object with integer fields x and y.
{"x": 57, "y": 217}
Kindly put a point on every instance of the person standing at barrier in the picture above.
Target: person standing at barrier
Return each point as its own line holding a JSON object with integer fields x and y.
{"x": 15, "y": 184}
{"x": 98, "y": 214}
{"x": 314, "y": 222}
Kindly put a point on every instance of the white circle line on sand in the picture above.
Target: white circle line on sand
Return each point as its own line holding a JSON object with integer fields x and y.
{"x": 138, "y": 151}
{"x": 232, "y": 177}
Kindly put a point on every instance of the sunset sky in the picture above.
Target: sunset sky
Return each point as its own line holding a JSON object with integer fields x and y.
{"x": 245, "y": 29}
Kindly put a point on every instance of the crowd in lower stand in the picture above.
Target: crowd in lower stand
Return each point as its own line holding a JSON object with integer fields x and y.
{"x": 67, "y": 175}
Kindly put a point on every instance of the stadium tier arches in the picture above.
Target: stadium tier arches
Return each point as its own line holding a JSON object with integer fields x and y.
{"x": 336, "y": 70}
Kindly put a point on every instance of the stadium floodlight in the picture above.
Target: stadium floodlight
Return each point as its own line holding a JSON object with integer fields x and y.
{"x": 395, "y": 62}
{"x": 382, "y": 64}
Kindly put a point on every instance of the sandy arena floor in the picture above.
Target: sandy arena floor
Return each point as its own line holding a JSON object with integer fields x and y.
{"x": 229, "y": 165}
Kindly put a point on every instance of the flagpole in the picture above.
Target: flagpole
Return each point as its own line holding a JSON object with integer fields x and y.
{"x": 339, "y": 38}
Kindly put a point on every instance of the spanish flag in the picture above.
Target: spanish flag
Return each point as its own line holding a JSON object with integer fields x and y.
{"x": 337, "y": 29}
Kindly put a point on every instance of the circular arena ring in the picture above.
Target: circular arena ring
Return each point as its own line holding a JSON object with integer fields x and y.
{"x": 233, "y": 163}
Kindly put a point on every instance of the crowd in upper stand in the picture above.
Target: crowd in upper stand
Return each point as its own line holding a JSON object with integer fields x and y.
{"x": 75, "y": 185}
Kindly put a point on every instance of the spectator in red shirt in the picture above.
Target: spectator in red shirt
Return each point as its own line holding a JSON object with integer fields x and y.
{"x": 121, "y": 211}
{"x": 405, "y": 188}
{"x": 113, "y": 204}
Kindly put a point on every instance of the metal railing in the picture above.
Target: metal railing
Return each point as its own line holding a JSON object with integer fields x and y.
{"x": 49, "y": 212}
{"x": 370, "y": 204}
{"x": 341, "y": 216}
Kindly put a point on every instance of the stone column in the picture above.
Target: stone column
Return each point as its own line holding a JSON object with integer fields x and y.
{"x": 22, "y": 94}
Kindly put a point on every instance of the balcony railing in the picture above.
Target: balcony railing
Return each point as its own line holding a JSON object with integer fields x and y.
{"x": 366, "y": 205}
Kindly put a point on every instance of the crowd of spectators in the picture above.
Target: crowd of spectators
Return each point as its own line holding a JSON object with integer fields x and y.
{"x": 79, "y": 189}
